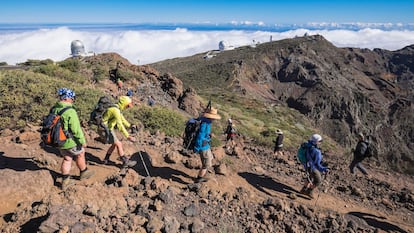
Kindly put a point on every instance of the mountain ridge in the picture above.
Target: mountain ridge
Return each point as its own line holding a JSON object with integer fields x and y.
{"x": 344, "y": 90}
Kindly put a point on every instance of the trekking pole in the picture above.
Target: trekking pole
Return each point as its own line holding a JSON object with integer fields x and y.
{"x": 142, "y": 159}
{"x": 143, "y": 163}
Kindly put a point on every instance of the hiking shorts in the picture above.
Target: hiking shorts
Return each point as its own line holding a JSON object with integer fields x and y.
{"x": 72, "y": 152}
{"x": 316, "y": 177}
{"x": 112, "y": 137}
{"x": 206, "y": 157}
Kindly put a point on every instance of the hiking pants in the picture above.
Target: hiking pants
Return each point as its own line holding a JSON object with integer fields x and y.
{"x": 315, "y": 177}
{"x": 206, "y": 157}
{"x": 357, "y": 163}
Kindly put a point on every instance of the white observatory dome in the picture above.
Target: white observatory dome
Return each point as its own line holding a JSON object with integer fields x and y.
{"x": 77, "y": 48}
{"x": 223, "y": 45}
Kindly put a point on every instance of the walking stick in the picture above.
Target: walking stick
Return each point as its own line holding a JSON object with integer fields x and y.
{"x": 142, "y": 160}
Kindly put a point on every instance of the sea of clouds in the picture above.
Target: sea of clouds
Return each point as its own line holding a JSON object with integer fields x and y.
{"x": 148, "y": 46}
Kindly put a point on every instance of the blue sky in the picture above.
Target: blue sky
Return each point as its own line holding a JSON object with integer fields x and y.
{"x": 368, "y": 24}
{"x": 268, "y": 12}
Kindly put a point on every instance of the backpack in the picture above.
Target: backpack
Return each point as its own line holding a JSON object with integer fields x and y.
{"x": 52, "y": 133}
{"x": 302, "y": 151}
{"x": 97, "y": 113}
{"x": 369, "y": 152}
{"x": 192, "y": 128}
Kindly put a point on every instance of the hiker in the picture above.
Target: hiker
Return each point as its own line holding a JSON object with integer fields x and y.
{"x": 113, "y": 118}
{"x": 74, "y": 147}
{"x": 119, "y": 85}
{"x": 278, "y": 142}
{"x": 313, "y": 167}
{"x": 202, "y": 142}
{"x": 359, "y": 155}
{"x": 130, "y": 93}
{"x": 151, "y": 101}
{"x": 230, "y": 132}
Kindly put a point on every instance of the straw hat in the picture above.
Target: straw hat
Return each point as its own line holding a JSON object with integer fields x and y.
{"x": 212, "y": 114}
{"x": 278, "y": 131}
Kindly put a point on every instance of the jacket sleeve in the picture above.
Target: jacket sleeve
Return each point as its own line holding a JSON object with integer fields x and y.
{"x": 121, "y": 123}
{"x": 318, "y": 160}
{"x": 74, "y": 126}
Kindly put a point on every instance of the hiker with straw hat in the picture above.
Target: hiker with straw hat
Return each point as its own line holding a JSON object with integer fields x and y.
{"x": 202, "y": 142}
{"x": 278, "y": 142}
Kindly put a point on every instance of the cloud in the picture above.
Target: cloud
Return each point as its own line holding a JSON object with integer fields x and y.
{"x": 147, "y": 46}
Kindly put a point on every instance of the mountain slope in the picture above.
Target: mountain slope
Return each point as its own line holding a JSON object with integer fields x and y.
{"x": 344, "y": 91}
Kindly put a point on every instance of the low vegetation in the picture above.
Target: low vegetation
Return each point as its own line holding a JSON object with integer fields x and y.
{"x": 27, "y": 96}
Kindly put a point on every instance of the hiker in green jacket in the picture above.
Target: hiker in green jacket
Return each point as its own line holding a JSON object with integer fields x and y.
{"x": 113, "y": 117}
{"x": 74, "y": 147}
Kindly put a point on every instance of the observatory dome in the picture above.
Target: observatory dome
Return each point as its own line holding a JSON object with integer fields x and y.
{"x": 223, "y": 45}
{"x": 77, "y": 48}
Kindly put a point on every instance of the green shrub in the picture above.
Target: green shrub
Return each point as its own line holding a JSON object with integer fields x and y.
{"x": 26, "y": 97}
{"x": 73, "y": 65}
{"x": 159, "y": 118}
{"x": 99, "y": 73}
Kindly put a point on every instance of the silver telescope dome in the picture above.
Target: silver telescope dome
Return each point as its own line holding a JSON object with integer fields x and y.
{"x": 77, "y": 48}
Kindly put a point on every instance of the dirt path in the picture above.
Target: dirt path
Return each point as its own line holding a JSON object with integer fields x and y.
{"x": 261, "y": 183}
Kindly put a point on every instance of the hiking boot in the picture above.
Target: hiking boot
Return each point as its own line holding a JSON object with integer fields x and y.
{"x": 66, "y": 183}
{"x": 309, "y": 193}
{"x": 126, "y": 162}
{"x": 86, "y": 174}
{"x": 304, "y": 190}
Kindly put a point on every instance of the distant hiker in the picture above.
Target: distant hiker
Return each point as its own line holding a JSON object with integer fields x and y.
{"x": 130, "y": 93}
{"x": 360, "y": 153}
{"x": 202, "y": 143}
{"x": 74, "y": 147}
{"x": 113, "y": 118}
{"x": 313, "y": 166}
{"x": 119, "y": 85}
{"x": 151, "y": 101}
{"x": 278, "y": 142}
{"x": 113, "y": 74}
{"x": 230, "y": 132}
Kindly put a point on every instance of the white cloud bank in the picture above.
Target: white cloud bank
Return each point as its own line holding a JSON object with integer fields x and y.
{"x": 147, "y": 46}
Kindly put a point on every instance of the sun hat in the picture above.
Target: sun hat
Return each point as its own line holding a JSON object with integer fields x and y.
{"x": 212, "y": 114}
{"x": 66, "y": 93}
{"x": 229, "y": 121}
{"x": 316, "y": 138}
{"x": 278, "y": 131}
{"x": 361, "y": 135}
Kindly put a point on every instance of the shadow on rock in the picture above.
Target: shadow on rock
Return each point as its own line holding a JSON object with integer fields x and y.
{"x": 23, "y": 164}
{"x": 261, "y": 182}
{"x": 374, "y": 221}
{"x": 144, "y": 164}
{"x": 18, "y": 164}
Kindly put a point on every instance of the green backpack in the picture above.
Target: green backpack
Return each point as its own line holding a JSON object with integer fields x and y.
{"x": 301, "y": 154}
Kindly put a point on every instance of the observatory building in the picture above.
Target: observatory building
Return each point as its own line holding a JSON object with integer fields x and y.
{"x": 224, "y": 46}
{"x": 78, "y": 49}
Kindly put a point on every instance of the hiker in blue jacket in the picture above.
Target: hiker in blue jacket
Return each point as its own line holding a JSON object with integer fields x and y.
{"x": 313, "y": 166}
{"x": 202, "y": 143}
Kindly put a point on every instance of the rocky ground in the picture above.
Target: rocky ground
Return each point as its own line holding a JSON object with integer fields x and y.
{"x": 249, "y": 190}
